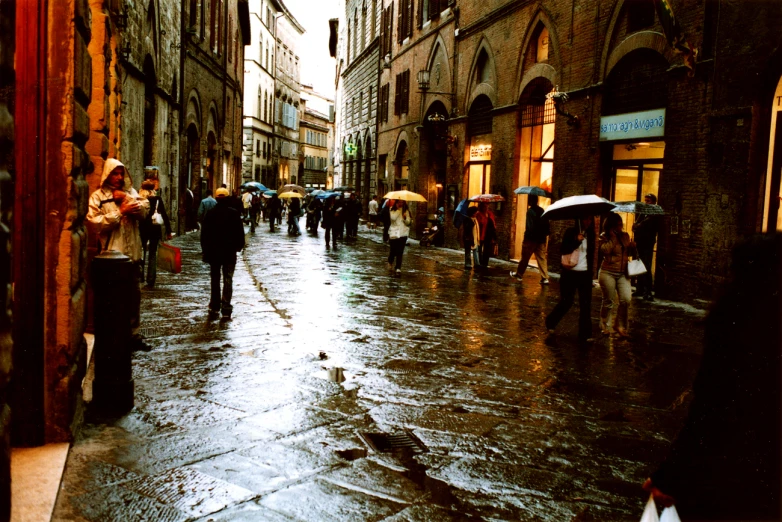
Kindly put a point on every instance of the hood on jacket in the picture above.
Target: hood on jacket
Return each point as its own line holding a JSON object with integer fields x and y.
{"x": 111, "y": 164}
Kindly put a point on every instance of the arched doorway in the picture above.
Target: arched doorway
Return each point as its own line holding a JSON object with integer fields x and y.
{"x": 358, "y": 159}
{"x": 435, "y": 153}
{"x": 401, "y": 167}
{"x": 213, "y": 173}
{"x": 189, "y": 188}
{"x": 536, "y": 140}
{"x": 479, "y": 129}
{"x": 772, "y": 215}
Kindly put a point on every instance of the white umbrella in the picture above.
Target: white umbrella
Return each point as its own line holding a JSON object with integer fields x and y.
{"x": 575, "y": 207}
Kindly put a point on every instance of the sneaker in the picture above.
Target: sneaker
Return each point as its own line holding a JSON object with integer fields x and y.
{"x": 398, "y": 271}
{"x": 514, "y": 275}
{"x": 543, "y": 281}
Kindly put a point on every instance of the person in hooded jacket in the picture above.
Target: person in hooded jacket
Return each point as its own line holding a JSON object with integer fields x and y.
{"x": 114, "y": 213}
{"x": 222, "y": 236}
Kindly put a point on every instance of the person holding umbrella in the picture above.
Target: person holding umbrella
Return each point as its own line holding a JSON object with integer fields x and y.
{"x": 579, "y": 238}
{"x": 535, "y": 238}
{"x": 398, "y": 231}
{"x": 488, "y": 232}
{"x": 472, "y": 239}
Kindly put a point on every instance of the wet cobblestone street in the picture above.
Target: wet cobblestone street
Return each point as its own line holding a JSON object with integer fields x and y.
{"x": 247, "y": 420}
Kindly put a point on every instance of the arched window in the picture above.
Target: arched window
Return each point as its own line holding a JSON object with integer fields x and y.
{"x": 541, "y": 51}
{"x": 258, "y": 110}
{"x": 483, "y": 69}
{"x": 373, "y": 20}
{"x": 642, "y": 67}
{"x": 260, "y": 50}
{"x": 364, "y": 25}
{"x": 266, "y": 103}
{"x": 479, "y": 127}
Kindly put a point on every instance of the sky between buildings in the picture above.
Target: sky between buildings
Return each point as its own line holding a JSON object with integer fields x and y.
{"x": 317, "y": 67}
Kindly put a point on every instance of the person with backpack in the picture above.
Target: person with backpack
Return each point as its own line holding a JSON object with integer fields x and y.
{"x": 535, "y": 241}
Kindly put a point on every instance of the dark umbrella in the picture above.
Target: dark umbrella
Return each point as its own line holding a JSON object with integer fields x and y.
{"x": 344, "y": 189}
{"x": 460, "y": 213}
{"x": 533, "y": 191}
{"x": 637, "y": 207}
{"x": 575, "y": 207}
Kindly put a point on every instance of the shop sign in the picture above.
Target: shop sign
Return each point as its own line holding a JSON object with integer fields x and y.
{"x": 350, "y": 149}
{"x": 480, "y": 152}
{"x": 633, "y": 125}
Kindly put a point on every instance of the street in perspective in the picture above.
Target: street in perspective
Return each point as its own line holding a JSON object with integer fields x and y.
{"x": 343, "y": 391}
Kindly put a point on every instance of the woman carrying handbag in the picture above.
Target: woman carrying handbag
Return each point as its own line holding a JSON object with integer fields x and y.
{"x": 615, "y": 247}
{"x": 151, "y": 229}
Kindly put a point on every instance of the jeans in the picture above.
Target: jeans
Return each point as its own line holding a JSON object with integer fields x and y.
{"x": 471, "y": 257}
{"x": 216, "y": 302}
{"x": 329, "y": 232}
{"x": 569, "y": 283}
{"x": 293, "y": 224}
{"x": 527, "y": 249}
{"x": 396, "y": 251}
{"x": 614, "y": 283}
{"x": 487, "y": 249}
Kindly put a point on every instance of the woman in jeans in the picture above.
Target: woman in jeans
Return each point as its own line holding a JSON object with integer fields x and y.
{"x": 472, "y": 239}
{"x": 615, "y": 247}
{"x": 580, "y": 237}
{"x": 397, "y": 233}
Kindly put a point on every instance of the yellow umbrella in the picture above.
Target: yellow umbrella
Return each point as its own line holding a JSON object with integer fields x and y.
{"x": 289, "y": 195}
{"x": 405, "y": 195}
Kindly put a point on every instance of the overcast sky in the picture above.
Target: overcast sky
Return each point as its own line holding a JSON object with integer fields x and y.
{"x": 318, "y": 68}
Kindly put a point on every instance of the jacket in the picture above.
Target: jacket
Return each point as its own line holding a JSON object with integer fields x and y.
{"x": 488, "y": 227}
{"x": 150, "y": 230}
{"x": 222, "y": 234}
{"x": 570, "y": 242}
{"x": 615, "y": 253}
{"x": 400, "y": 223}
{"x": 207, "y": 204}
{"x": 537, "y": 229}
{"x": 645, "y": 230}
{"x": 115, "y": 231}
{"x": 470, "y": 232}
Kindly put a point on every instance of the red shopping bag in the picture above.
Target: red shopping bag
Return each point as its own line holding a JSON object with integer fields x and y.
{"x": 169, "y": 258}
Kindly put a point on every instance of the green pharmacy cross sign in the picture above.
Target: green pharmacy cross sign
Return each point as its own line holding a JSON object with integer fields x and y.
{"x": 350, "y": 149}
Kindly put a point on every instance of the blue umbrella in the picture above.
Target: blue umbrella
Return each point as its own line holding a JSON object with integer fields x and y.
{"x": 460, "y": 213}
{"x": 326, "y": 195}
{"x": 253, "y": 185}
{"x": 269, "y": 192}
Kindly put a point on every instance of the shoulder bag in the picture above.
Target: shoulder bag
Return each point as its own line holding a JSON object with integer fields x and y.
{"x": 157, "y": 219}
{"x": 635, "y": 267}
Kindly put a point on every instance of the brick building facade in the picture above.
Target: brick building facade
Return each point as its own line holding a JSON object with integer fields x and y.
{"x": 359, "y": 55}
{"x": 706, "y": 148}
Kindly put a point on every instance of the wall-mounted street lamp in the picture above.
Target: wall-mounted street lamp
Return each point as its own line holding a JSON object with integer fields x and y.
{"x": 124, "y": 53}
{"x": 423, "y": 83}
{"x": 559, "y": 99}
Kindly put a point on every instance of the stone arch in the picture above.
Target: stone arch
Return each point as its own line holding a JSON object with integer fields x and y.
{"x": 539, "y": 70}
{"x": 212, "y": 121}
{"x": 478, "y": 88}
{"x": 193, "y": 111}
{"x": 439, "y": 67}
{"x": 541, "y": 18}
{"x": 650, "y": 39}
{"x": 152, "y": 30}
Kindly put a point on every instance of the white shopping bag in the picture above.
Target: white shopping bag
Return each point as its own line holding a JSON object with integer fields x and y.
{"x": 650, "y": 513}
{"x": 670, "y": 515}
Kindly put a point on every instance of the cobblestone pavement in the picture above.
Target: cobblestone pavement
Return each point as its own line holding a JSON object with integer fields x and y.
{"x": 280, "y": 413}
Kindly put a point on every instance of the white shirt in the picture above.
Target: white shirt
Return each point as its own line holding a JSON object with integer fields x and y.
{"x": 373, "y": 208}
{"x": 247, "y": 199}
{"x": 582, "y": 265}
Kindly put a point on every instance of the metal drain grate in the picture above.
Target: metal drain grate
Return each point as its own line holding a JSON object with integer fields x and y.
{"x": 390, "y": 442}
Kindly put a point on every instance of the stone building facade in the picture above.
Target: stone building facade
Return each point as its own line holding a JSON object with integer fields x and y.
{"x": 287, "y": 104}
{"x": 317, "y": 139}
{"x": 259, "y": 94}
{"x": 214, "y": 33}
{"x": 706, "y": 122}
{"x": 360, "y": 62}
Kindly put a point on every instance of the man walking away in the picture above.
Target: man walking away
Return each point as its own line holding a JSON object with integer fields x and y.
{"x": 221, "y": 238}
{"x": 274, "y": 210}
{"x": 373, "y": 207}
{"x": 645, "y": 235}
{"x": 247, "y": 200}
{"x": 535, "y": 238}
{"x": 255, "y": 209}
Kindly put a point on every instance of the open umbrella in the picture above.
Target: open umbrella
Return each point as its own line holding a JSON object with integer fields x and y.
{"x": 291, "y": 188}
{"x": 575, "y": 207}
{"x": 344, "y": 189}
{"x": 637, "y": 207}
{"x": 404, "y": 195}
{"x": 533, "y": 191}
{"x": 290, "y": 195}
{"x": 324, "y": 194}
{"x": 487, "y": 198}
{"x": 253, "y": 186}
{"x": 460, "y": 212}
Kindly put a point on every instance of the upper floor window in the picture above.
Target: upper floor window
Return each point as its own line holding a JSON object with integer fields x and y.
{"x": 640, "y": 14}
{"x": 193, "y": 13}
{"x": 402, "y": 93}
{"x": 429, "y": 10}
{"x": 483, "y": 68}
{"x": 541, "y": 51}
{"x": 405, "y": 20}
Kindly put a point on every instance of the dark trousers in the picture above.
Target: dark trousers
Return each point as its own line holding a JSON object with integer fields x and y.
{"x": 329, "y": 232}
{"x": 253, "y": 219}
{"x": 396, "y": 251}
{"x": 487, "y": 249}
{"x": 569, "y": 283}
{"x": 386, "y": 226}
{"x": 218, "y": 301}
{"x": 150, "y": 258}
{"x": 645, "y": 283}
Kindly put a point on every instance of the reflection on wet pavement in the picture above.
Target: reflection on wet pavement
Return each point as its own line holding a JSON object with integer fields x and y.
{"x": 265, "y": 417}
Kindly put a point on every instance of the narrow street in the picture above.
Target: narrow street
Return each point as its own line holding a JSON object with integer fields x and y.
{"x": 248, "y": 419}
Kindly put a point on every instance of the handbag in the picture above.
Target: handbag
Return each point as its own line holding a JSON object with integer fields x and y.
{"x": 169, "y": 258}
{"x": 569, "y": 261}
{"x": 635, "y": 267}
{"x": 157, "y": 219}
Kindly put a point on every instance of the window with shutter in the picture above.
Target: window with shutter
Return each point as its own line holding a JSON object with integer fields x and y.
{"x": 406, "y": 91}
{"x": 420, "y": 14}
{"x": 409, "y": 25}
{"x": 398, "y": 95}
{"x": 400, "y": 22}
{"x": 434, "y": 9}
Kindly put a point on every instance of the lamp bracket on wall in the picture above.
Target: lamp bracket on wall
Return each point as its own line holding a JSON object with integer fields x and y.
{"x": 559, "y": 101}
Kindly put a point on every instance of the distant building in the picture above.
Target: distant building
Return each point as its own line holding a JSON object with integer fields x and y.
{"x": 317, "y": 139}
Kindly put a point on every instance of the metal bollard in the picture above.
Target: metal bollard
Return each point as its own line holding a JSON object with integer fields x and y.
{"x": 112, "y": 282}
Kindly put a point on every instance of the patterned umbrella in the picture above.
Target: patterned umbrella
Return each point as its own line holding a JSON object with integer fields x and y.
{"x": 533, "y": 191}
{"x": 487, "y": 198}
{"x": 637, "y": 207}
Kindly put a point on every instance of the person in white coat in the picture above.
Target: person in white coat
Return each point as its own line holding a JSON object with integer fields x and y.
{"x": 398, "y": 232}
{"x": 115, "y": 211}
